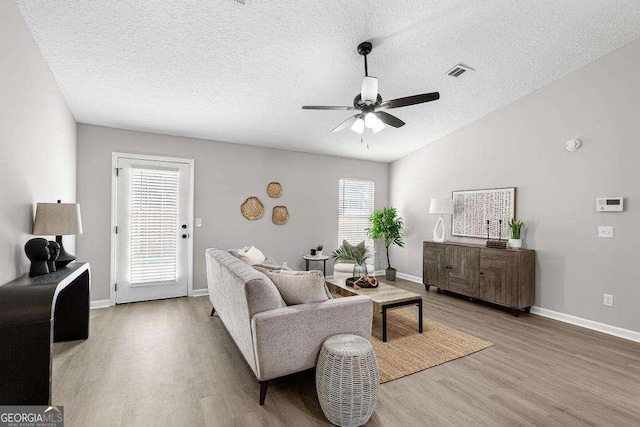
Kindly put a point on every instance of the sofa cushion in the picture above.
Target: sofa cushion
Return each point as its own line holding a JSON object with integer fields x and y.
{"x": 300, "y": 287}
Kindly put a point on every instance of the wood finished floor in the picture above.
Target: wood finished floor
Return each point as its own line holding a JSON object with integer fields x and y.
{"x": 169, "y": 363}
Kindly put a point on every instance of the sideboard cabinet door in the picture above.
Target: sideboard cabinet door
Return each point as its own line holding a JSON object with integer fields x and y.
{"x": 434, "y": 272}
{"x": 499, "y": 277}
{"x": 463, "y": 267}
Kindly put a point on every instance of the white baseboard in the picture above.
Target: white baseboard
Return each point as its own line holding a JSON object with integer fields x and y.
{"x": 200, "y": 292}
{"x": 409, "y": 277}
{"x": 566, "y": 318}
{"x": 588, "y": 324}
{"x": 103, "y": 303}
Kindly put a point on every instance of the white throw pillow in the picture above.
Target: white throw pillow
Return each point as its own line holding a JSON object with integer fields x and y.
{"x": 252, "y": 256}
{"x": 299, "y": 287}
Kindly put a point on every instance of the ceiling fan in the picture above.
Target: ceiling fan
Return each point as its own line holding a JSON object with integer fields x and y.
{"x": 371, "y": 107}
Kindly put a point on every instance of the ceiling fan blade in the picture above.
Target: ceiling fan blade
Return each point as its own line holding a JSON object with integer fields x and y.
{"x": 369, "y": 91}
{"x": 326, "y": 107}
{"x": 390, "y": 120}
{"x": 347, "y": 123}
{"x": 411, "y": 100}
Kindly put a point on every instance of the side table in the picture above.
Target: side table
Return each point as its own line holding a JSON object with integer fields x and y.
{"x": 322, "y": 258}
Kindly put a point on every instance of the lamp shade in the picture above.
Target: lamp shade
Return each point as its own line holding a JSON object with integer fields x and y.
{"x": 441, "y": 206}
{"x": 57, "y": 219}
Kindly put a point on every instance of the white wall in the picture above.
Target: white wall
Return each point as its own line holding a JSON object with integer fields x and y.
{"x": 37, "y": 141}
{"x": 522, "y": 145}
{"x": 225, "y": 175}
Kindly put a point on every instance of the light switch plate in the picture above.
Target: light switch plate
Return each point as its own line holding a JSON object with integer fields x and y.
{"x": 605, "y": 231}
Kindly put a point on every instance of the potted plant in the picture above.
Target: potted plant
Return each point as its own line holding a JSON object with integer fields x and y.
{"x": 515, "y": 226}
{"x": 388, "y": 226}
{"x": 319, "y": 250}
{"x": 357, "y": 254}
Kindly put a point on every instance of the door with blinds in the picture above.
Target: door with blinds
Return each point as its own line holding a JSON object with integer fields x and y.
{"x": 153, "y": 229}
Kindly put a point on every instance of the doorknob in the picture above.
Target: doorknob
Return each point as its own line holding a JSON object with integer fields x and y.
{"x": 184, "y": 226}
{"x": 184, "y": 236}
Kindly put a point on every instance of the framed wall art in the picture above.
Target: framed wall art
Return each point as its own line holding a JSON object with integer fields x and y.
{"x": 473, "y": 208}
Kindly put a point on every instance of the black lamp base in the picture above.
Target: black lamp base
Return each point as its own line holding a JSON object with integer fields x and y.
{"x": 65, "y": 257}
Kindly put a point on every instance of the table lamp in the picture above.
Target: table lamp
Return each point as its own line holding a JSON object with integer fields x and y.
{"x": 440, "y": 207}
{"x": 58, "y": 219}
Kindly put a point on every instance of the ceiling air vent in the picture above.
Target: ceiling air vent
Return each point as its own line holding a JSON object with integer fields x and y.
{"x": 459, "y": 70}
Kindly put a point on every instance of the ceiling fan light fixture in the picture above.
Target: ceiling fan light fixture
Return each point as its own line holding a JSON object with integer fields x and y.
{"x": 369, "y": 92}
{"x": 358, "y": 126}
{"x": 371, "y": 120}
{"x": 378, "y": 127}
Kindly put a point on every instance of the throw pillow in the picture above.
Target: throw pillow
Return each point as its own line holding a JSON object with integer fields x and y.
{"x": 300, "y": 287}
{"x": 234, "y": 252}
{"x": 359, "y": 246}
{"x": 252, "y": 256}
{"x": 269, "y": 264}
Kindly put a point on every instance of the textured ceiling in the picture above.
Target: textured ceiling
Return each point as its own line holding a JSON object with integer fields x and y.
{"x": 217, "y": 70}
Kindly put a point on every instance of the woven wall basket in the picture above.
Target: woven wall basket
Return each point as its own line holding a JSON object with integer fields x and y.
{"x": 274, "y": 189}
{"x": 252, "y": 209}
{"x": 280, "y": 215}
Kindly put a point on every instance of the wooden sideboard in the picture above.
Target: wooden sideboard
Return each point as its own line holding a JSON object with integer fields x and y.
{"x": 501, "y": 276}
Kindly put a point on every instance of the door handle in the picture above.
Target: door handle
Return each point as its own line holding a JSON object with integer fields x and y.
{"x": 184, "y": 226}
{"x": 184, "y": 236}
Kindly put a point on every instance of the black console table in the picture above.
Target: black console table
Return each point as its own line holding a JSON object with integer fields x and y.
{"x": 34, "y": 313}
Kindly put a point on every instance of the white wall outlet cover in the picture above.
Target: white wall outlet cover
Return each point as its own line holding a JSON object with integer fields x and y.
{"x": 573, "y": 144}
{"x": 198, "y": 222}
{"x": 605, "y": 231}
{"x": 607, "y": 300}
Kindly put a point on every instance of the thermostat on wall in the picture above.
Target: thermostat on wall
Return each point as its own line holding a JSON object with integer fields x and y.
{"x": 610, "y": 204}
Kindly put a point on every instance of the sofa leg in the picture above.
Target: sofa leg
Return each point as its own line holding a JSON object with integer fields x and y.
{"x": 213, "y": 311}
{"x": 263, "y": 391}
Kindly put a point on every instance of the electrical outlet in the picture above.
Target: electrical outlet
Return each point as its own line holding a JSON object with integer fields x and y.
{"x": 284, "y": 264}
{"x": 198, "y": 222}
{"x": 605, "y": 231}
{"x": 607, "y": 300}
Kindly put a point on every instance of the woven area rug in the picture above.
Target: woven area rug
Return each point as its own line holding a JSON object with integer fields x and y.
{"x": 407, "y": 351}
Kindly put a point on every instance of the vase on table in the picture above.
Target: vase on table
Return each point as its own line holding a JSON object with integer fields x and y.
{"x": 359, "y": 270}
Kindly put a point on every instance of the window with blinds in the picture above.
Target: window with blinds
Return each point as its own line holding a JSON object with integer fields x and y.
{"x": 355, "y": 208}
{"x": 154, "y": 225}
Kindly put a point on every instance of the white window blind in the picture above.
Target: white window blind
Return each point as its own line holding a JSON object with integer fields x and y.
{"x": 154, "y": 225}
{"x": 354, "y": 210}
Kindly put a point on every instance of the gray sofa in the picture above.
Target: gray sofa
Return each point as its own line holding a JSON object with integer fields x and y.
{"x": 276, "y": 339}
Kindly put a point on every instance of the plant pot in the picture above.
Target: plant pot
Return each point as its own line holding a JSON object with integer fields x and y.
{"x": 390, "y": 275}
{"x": 313, "y": 252}
{"x": 515, "y": 243}
{"x": 319, "y": 253}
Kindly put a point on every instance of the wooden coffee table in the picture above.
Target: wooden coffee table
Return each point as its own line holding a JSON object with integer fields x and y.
{"x": 384, "y": 297}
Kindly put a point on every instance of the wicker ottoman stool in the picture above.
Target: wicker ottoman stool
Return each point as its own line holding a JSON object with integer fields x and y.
{"x": 347, "y": 380}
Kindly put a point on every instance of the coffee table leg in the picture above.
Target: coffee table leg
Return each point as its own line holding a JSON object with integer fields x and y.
{"x": 307, "y": 261}
{"x": 324, "y": 267}
{"x": 420, "y": 315}
{"x": 384, "y": 324}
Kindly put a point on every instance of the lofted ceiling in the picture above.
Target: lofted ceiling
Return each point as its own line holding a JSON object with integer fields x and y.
{"x": 219, "y": 70}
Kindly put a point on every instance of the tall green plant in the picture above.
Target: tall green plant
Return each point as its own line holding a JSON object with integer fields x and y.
{"x": 515, "y": 227}
{"x": 388, "y": 226}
